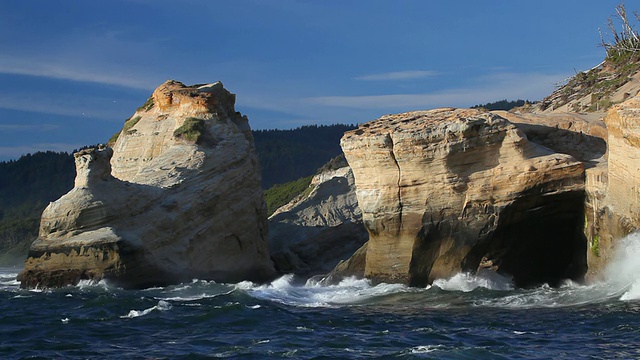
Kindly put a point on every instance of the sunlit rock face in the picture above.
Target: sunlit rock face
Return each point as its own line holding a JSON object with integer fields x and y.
{"x": 617, "y": 212}
{"x": 177, "y": 198}
{"x": 450, "y": 190}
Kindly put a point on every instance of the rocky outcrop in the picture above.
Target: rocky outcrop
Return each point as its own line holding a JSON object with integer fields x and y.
{"x": 611, "y": 82}
{"x": 582, "y": 136}
{"x": 177, "y": 198}
{"x": 319, "y": 228}
{"x": 452, "y": 190}
{"x": 616, "y": 211}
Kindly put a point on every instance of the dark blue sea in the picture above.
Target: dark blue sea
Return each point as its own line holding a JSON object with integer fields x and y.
{"x": 465, "y": 317}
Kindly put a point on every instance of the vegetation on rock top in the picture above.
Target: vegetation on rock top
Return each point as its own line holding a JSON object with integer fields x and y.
{"x": 192, "y": 130}
{"x": 622, "y": 61}
{"x": 148, "y": 105}
{"x": 128, "y": 124}
{"x": 281, "y": 194}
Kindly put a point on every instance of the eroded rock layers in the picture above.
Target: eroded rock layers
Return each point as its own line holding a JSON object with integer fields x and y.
{"x": 177, "y": 198}
{"x": 450, "y": 190}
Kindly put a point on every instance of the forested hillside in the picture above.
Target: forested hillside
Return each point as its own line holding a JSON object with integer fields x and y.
{"x": 27, "y": 185}
{"x": 502, "y": 104}
{"x": 287, "y": 155}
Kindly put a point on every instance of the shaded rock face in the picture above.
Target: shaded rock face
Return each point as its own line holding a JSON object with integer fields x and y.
{"x": 450, "y": 190}
{"x": 171, "y": 202}
{"x": 321, "y": 227}
{"x": 616, "y": 212}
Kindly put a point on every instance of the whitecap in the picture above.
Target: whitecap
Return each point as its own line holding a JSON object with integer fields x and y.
{"x": 65, "y": 320}
{"x": 92, "y": 283}
{"x": 195, "y": 297}
{"x": 161, "y": 306}
{"x": 424, "y": 349}
{"x": 466, "y": 282}
{"x": 312, "y": 294}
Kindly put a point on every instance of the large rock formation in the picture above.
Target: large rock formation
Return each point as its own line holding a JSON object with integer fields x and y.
{"x": 320, "y": 227}
{"x": 616, "y": 211}
{"x": 452, "y": 190}
{"x": 177, "y": 198}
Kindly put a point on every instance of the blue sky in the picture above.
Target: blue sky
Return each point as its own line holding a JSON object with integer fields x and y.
{"x": 72, "y": 71}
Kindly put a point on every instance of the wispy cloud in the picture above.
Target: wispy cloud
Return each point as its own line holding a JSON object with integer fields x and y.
{"x": 21, "y": 127}
{"x": 398, "y": 75}
{"x": 65, "y": 105}
{"x": 299, "y": 110}
{"x": 68, "y": 71}
{"x": 491, "y": 88}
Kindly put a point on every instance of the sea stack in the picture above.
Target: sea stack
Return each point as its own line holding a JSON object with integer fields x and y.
{"x": 450, "y": 190}
{"x": 177, "y": 197}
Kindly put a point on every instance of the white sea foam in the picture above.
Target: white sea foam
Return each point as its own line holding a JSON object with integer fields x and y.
{"x": 348, "y": 291}
{"x": 468, "y": 282}
{"x": 161, "y": 306}
{"x": 424, "y": 349}
{"x": 621, "y": 281}
{"x": 85, "y": 284}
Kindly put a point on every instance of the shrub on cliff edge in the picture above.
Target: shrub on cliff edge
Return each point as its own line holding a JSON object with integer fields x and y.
{"x": 191, "y": 130}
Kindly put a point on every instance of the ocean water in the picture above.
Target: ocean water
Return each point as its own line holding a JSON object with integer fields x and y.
{"x": 465, "y": 317}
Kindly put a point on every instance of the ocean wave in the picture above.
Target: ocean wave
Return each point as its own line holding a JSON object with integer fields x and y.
{"x": 466, "y": 282}
{"x": 161, "y": 306}
{"x": 91, "y": 283}
{"x": 349, "y": 291}
{"x": 425, "y": 349}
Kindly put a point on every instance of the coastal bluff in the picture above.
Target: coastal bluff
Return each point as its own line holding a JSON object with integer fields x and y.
{"x": 177, "y": 196}
{"x": 318, "y": 228}
{"x": 452, "y": 190}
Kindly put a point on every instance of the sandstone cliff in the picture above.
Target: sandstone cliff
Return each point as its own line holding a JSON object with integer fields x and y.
{"x": 452, "y": 190}
{"x": 615, "y": 212}
{"x": 322, "y": 226}
{"x": 177, "y": 198}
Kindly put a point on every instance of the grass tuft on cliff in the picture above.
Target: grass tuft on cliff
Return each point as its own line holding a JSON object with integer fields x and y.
{"x": 128, "y": 124}
{"x": 148, "y": 105}
{"x": 281, "y": 194}
{"x": 191, "y": 130}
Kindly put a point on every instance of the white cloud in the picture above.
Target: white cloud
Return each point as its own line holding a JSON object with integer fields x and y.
{"x": 68, "y": 71}
{"x": 398, "y": 75}
{"x": 66, "y": 105}
{"x": 22, "y": 127}
{"x": 485, "y": 89}
{"x": 294, "y": 110}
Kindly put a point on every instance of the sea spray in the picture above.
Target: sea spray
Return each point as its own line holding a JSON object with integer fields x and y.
{"x": 468, "y": 282}
{"x": 623, "y": 272}
{"x": 349, "y": 291}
